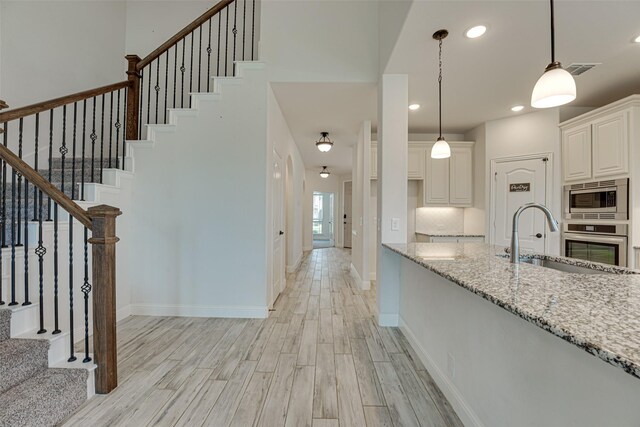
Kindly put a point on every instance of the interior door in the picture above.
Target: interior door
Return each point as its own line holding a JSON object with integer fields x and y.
{"x": 516, "y": 183}
{"x": 277, "y": 282}
{"x": 347, "y": 214}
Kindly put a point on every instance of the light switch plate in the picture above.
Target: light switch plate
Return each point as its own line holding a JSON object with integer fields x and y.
{"x": 395, "y": 224}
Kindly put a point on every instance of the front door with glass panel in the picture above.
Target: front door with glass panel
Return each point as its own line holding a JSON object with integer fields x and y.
{"x": 323, "y": 218}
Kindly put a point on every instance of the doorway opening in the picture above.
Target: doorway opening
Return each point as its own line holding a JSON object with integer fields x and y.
{"x": 323, "y": 230}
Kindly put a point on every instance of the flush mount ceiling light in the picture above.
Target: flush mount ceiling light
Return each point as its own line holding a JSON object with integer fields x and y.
{"x": 637, "y": 39}
{"x": 324, "y": 173}
{"x": 475, "y": 32}
{"x": 517, "y": 108}
{"x": 414, "y": 107}
{"x": 441, "y": 149}
{"x": 556, "y": 86}
{"x": 324, "y": 144}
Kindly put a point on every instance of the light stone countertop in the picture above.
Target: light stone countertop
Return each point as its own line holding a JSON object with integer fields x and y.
{"x": 599, "y": 313}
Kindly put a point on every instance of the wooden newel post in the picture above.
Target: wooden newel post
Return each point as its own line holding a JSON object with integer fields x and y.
{"x": 103, "y": 241}
{"x": 133, "y": 97}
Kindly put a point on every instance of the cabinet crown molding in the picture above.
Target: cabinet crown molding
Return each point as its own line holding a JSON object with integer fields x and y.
{"x": 622, "y": 104}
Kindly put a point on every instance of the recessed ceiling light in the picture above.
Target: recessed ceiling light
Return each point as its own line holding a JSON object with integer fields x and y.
{"x": 637, "y": 39}
{"x": 475, "y": 32}
{"x": 517, "y": 108}
{"x": 414, "y": 107}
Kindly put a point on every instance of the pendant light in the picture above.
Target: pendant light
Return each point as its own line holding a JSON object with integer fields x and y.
{"x": 440, "y": 149}
{"x": 324, "y": 173}
{"x": 556, "y": 86}
{"x": 324, "y": 144}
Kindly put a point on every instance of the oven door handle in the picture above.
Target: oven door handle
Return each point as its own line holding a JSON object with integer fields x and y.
{"x": 593, "y": 190}
{"x": 596, "y": 238}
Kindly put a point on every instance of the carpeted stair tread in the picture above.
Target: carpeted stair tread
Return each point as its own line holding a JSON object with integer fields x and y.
{"x": 20, "y": 359}
{"x": 5, "y": 324}
{"x": 44, "y": 399}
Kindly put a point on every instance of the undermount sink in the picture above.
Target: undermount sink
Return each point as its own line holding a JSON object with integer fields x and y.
{"x": 554, "y": 265}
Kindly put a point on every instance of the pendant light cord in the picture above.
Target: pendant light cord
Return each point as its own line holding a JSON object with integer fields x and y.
{"x": 440, "y": 87}
{"x": 553, "y": 36}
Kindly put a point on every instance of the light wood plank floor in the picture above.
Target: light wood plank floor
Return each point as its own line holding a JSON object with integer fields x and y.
{"x": 319, "y": 360}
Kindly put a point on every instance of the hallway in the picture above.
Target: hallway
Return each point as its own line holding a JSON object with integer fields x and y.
{"x": 319, "y": 360}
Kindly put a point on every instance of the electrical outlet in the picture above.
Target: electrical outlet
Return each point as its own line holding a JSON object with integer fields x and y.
{"x": 395, "y": 224}
{"x": 451, "y": 366}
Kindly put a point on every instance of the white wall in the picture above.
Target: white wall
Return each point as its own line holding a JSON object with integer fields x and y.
{"x": 320, "y": 41}
{"x": 474, "y": 218}
{"x": 361, "y": 217}
{"x": 533, "y": 133}
{"x": 203, "y": 242}
{"x": 279, "y": 138}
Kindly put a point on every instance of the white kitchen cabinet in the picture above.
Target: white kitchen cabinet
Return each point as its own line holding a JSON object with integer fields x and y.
{"x": 416, "y": 163}
{"x": 576, "y": 153}
{"x": 610, "y": 149}
{"x": 374, "y": 163}
{"x": 449, "y": 182}
{"x": 460, "y": 176}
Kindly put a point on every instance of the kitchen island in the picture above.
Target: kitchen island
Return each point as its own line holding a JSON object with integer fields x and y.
{"x": 519, "y": 345}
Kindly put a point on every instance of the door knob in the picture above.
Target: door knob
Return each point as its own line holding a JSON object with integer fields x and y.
{"x": 539, "y": 235}
{"x": 281, "y": 232}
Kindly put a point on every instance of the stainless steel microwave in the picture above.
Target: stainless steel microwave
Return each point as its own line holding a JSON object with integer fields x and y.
{"x": 607, "y": 200}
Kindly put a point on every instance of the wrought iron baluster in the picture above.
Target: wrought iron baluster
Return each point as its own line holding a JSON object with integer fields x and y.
{"x": 73, "y": 151}
{"x": 35, "y": 166}
{"x": 25, "y": 253}
{"x": 253, "y": 29}
{"x": 72, "y": 356}
{"x": 50, "y": 160}
{"x": 244, "y": 27}
{"x": 141, "y": 103}
{"x": 157, "y": 86}
{"x": 13, "y": 238}
{"x": 118, "y": 125}
{"x": 84, "y": 147}
{"x": 235, "y": 33}
{"x": 226, "y": 43}
{"x": 191, "y": 71}
{"x": 124, "y": 120}
{"x": 63, "y": 148}
{"x": 175, "y": 73}
{"x": 219, "y": 33}
{"x": 182, "y": 70}
{"x": 102, "y": 139}
{"x": 199, "y": 57}
{"x": 149, "y": 95}
{"x": 86, "y": 288}
{"x": 110, "y": 127}
{"x": 40, "y": 252}
{"x": 93, "y": 138}
{"x": 19, "y": 188}
{"x": 56, "y": 306}
{"x": 4, "y": 194}
{"x": 208, "y": 76}
{"x": 166, "y": 84}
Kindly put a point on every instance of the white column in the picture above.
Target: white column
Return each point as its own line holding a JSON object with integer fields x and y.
{"x": 393, "y": 136}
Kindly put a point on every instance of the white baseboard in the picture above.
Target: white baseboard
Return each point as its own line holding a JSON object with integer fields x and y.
{"x": 247, "y": 312}
{"x": 293, "y": 268}
{"x": 365, "y": 285}
{"x": 459, "y": 404}
{"x": 307, "y": 248}
{"x": 123, "y": 313}
{"x": 387, "y": 319}
{"x": 372, "y": 276}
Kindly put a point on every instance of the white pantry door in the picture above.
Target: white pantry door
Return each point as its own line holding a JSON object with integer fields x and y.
{"x": 516, "y": 183}
{"x": 277, "y": 282}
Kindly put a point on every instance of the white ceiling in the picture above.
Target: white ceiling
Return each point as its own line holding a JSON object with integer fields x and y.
{"x": 483, "y": 77}
{"x": 337, "y": 108}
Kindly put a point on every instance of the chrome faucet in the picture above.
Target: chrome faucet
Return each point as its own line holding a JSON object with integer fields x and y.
{"x": 515, "y": 244}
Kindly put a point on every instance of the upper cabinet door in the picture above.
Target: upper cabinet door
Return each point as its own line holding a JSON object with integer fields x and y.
{"x": 416, "y": 163}
{"x": 576, "y": 153}
{"x": 461, "y": 176}
{"x": 610, "y": 145}
{"x": 374, "y": 163}
{"x": 436, "y": 180}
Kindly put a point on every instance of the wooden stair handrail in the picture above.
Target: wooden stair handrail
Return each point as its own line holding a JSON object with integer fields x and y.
{"x": 39, "y": 107}
{"x": 32, "y": 176}
{"x": 183, "y": 33}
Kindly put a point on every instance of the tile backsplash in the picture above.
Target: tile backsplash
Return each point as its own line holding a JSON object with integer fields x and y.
{"x": 440, "y": 220}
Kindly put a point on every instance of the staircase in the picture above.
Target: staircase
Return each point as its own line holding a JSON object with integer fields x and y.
{"x": 32, "y": 393}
